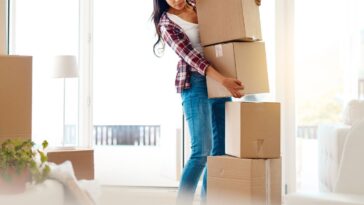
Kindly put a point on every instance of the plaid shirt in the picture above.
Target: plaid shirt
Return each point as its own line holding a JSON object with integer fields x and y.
{"x": 191, "y": 59}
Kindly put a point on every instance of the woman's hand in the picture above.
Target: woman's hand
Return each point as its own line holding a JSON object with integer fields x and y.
{"x": 231, "y": 84}
{"x": 258, "y": 2}
{"x": 234, "y": 86}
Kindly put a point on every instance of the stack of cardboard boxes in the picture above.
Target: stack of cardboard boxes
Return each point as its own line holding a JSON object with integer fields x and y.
{"x": 250, "y": 173}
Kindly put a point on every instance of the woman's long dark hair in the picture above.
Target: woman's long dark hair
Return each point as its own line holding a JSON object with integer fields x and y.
{"x": 160, "y": 6}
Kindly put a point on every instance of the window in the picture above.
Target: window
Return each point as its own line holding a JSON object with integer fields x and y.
{"x": 329, "y": 65}
{"x": 137, "y": 113}
{"x": 44, "y": 29}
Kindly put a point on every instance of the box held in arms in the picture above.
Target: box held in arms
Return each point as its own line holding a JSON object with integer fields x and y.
{"x": 228, "y": 20}
{"x": 245, "y": 61}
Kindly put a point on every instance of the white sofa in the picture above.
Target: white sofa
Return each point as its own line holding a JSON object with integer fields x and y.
{"x": 331, "y": 139}
{"x": 349, "y": 187}
{"x": 61, "y": 188}
{"x": 48, "y": 192}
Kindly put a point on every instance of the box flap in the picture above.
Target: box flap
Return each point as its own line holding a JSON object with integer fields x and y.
{"x": 232, "y": 128}
{"x": 251, "y": 59}
{"x": 229, "y": 168}
{"x": 251, "y": 19}
{"x": 275, "y": 181}
{"x": 261, "y": 136}
{"x": 222, "y": 58}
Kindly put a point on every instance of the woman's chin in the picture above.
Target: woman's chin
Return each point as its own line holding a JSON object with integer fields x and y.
{"x": 180, "y": 7}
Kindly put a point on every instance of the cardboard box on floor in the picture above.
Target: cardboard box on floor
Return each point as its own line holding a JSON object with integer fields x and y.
{"x": 15, "y": 97}
{"x": 245, "y": 61}
{"x": 228, "y": 20}
{"x": 252, "y": 129}
{"x": 235, "y": 181}
{"x": 82, "y": 160}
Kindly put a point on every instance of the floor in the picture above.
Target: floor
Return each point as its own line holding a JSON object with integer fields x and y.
{"x": 114, "y": 195}
{"x": 136, "y": 166}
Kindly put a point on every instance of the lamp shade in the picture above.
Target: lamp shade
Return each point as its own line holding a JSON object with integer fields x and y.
{"x": 65, "y": 66}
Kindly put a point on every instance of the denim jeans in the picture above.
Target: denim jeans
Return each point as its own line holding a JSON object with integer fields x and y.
{"x": 206, "y": 122}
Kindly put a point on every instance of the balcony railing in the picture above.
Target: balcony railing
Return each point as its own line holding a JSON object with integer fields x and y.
{"x": 307, "y": 132}
{"x": 140, "y": 135}
{"x": 147, "y": 135}
{"x": 135, "y": 135}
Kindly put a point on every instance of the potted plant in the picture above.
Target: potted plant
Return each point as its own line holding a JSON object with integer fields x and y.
{"x": 21, "y": 163}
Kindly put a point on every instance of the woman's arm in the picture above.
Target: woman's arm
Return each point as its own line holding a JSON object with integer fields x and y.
{"x": 180, "y": 43}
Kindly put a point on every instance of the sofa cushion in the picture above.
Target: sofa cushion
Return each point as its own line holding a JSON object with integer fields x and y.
{"x": 350, "y": 179}
{"x": 331, "y": 139}
{"x": 74, "y": 193}
{"x": 354, "y": 111}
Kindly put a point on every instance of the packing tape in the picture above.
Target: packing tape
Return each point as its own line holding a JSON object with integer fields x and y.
{"x": 259, "y": 147}
{"x": 218, "y": 51}
{"x": 267, "y": 182}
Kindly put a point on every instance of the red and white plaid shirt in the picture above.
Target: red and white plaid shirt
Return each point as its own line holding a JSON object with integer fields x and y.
{"x": 191, "y": 59}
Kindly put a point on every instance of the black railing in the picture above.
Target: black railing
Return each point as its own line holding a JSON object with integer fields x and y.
{"x": 140, "y": 135}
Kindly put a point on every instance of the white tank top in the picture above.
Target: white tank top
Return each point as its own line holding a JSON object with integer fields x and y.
{"x": 190, "y": 29}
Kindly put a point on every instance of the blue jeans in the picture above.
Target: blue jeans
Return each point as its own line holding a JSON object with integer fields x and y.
{"x": 206, "y": 123}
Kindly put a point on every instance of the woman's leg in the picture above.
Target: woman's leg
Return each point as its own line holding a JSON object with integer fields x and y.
{"x": 217, "y": 111}
{"x": 197, "y": 113}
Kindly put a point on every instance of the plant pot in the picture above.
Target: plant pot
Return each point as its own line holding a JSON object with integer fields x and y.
{"x": 17, "y": 182}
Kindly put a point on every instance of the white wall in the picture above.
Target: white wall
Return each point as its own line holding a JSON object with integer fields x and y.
{"x": 2, "y": 27}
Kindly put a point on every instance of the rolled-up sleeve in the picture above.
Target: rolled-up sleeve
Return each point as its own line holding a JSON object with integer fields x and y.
{"x": 180, "y": 43}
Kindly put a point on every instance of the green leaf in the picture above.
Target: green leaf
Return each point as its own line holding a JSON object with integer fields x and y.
{"x": 19, "y": 154}
{"x": 45, "y": 144}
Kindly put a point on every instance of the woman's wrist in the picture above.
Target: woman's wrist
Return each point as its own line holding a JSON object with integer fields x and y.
{"x": 213, "y": 73}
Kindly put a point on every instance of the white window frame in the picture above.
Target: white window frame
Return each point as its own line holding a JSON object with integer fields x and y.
{"x": 86, "y": 75}
{"x": 3, "y": 27}
{"x": 285, "y": 88}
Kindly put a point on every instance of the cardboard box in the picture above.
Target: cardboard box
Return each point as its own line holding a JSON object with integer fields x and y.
{"x": 234, "y": 181}
{"x": 15, "y": 97}
{"x": 82, "y": 160}
{"x": 245, "y": 61}
{"x": 228, "y": 20}
{"x": 252, "y": 129}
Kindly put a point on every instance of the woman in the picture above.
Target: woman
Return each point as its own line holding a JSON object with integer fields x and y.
{"x": 176, "y": 24}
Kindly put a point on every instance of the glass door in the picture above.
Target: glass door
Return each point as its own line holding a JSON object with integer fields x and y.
{"x": 137, "y": 114}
